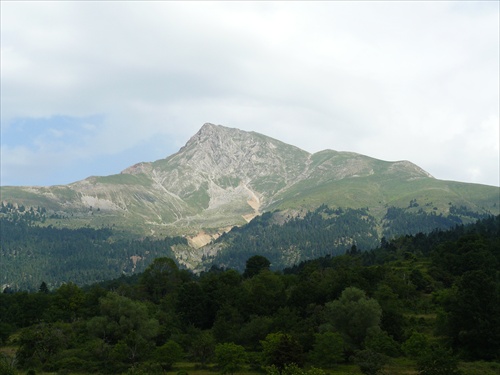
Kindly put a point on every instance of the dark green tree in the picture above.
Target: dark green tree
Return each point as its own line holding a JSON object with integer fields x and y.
{"x": 202, "y": 348}
{"x": 392, "y": 320}
{"x": 43, "y": 288}
{"x": 369, "y": 362}
{"x": 230, "y": 357}
{"x": 416, "y": 346}
{"x": 40, "y": 343}
{"x": 474, "y": 315}
{"x": 328, "y": 350}
{"x": 222, "y": 289}
{"x": 126, "y": 325}
{"x": 281, "y": 349}
{"x": 192, "y": 305}
{"x": 227, "y": 324}
{"x": 68, "y": 303}
{"x": 255, "y": 265}
{"x": 161, "y": 278}
{"x": 379, "y": 341}
{"x": 438, "y": 361}
{"x": 7, "y": 366}
{"x": 168, "y": 354}
{"x": 265, "y": 293}
{"x": 5, "y": 332}
{"x": 255, "y": 330}
{"x": 353, "y": 314}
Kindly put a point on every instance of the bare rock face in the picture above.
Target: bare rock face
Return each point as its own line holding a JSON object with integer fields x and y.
{"x": 230, "y": 163}
{"x": 219, "y": 151}
{"x": 230, "y": 166}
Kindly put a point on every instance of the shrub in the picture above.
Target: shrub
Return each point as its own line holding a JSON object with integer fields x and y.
{"x": 230, "y": 357}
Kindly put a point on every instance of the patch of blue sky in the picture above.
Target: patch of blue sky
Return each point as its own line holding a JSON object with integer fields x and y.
{"x": 148, "y": 150}
{"x": 58, "y": 129}
{"x": 64, "y": 149}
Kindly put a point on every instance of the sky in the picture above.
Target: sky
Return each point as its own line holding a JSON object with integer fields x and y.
{"x": 90, "y": 88}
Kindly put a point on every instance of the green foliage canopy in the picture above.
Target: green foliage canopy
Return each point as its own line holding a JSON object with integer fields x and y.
{"x": 353, "y": 314}
{"x": 230, "y": 357}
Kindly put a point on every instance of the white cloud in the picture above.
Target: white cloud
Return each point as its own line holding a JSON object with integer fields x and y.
{"x": 393, "y": 80}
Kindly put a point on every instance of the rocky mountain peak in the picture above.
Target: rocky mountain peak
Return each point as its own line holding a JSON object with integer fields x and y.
{"x": 221, "y": 151}
{"x": 212, "y": 134}
{"x": 224, "y": 176}
{"x": 207, "y": 131}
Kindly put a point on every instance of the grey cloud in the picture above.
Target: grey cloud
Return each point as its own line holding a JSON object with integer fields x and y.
{"x": 383, "y": 79}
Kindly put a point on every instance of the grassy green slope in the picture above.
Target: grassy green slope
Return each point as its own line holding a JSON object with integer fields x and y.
{"x": 378, "y": 191}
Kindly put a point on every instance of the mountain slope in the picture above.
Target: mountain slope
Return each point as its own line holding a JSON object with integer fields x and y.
{"x": 321, "y": 232}
{"x": 224, "y": 177}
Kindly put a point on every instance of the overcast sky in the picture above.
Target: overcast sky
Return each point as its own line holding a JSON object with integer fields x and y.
{"x": 90, "y": 88}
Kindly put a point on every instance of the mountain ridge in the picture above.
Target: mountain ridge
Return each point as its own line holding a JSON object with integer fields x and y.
{"x": 224, "y": 177}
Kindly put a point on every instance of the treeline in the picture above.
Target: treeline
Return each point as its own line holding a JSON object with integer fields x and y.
{"x": 30, "y": 253}
{"x": 29, "y": 215}
{"x": 432, "y": 298}
{"x": 398, "y": 221}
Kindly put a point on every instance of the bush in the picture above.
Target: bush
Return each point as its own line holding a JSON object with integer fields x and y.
{"x": 230, "y": 357}
{"x": 380, "y": 341}
{"x": 438, "y": 361}
{"x": 281, "y": 349}
{"x": 168, "y": 354}
{"x": 328, "y": 349}
{"x": 416, "y": 346}
{"x": 72, "y": 363}
{"x": 293, "y": 369}
{"x": 369, "y": 362}
{"x": 6, "y": 365}
{"x": 145, "y": 369}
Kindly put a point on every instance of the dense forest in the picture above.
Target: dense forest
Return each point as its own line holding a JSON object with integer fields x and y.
{"x": 430, "y": 302}
{"x": 34, "y": 248}
{"x": 317, "y": 233}
{"x": 326, "y": 231}
{"x": 82, "y": 256}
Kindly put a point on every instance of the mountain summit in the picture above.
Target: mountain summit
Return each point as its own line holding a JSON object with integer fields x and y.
{"x": 224, "y": 177}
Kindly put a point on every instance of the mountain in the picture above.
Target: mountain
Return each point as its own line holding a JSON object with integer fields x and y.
{"x": 224, "y": 177}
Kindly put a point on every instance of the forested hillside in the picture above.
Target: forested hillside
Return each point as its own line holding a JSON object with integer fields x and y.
{"x": 426, "y": 302}
{"x": 320, "y": 232}
{"x": 287, "y": 241}
{"x": 32, "y": 251}
{"x": 30, "y": 254}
